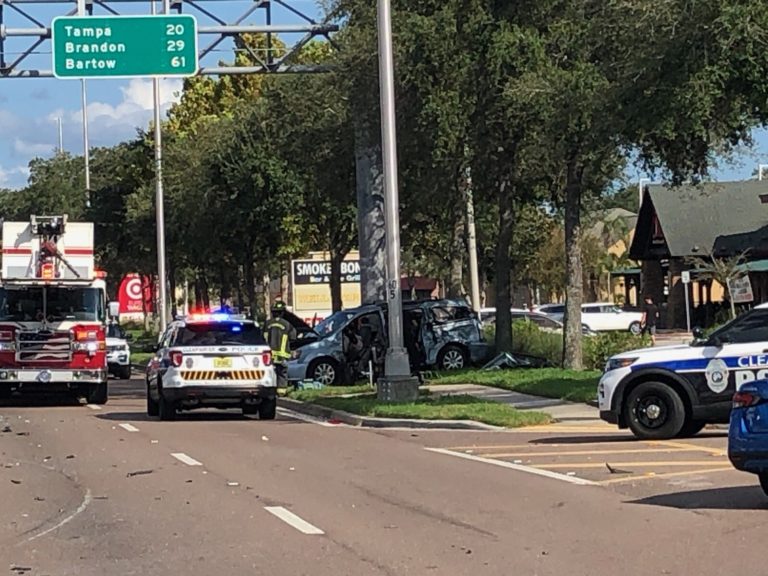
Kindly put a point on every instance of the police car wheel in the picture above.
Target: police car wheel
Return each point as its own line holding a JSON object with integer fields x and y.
{"x": 166, "y": 409}
{"x": 691, "y": 428}
{"x": 635, "y": 328}
{"x": 763, "y": 477}
{"x": 268, "y": 409}
{"x": 153, "y": 409}
{"x": 654, "y": 411}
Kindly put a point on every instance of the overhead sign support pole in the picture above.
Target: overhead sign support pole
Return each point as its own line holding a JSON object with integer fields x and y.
{"x": 162, "y": 280}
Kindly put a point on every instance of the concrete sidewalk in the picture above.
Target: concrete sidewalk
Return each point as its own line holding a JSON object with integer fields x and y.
{"x": 560, "y": 410}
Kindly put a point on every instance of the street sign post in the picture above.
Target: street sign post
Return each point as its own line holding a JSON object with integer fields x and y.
{"x": 124, "y": 46}
{"x": 686, "y": 278}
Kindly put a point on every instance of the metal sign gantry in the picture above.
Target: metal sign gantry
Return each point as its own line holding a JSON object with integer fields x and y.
{"x": 257, "y": 17}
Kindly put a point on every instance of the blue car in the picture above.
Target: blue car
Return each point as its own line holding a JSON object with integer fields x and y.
{"x": 748, "y": 432}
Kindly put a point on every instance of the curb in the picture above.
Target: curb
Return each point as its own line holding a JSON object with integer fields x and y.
{"x": 371, "y": 422}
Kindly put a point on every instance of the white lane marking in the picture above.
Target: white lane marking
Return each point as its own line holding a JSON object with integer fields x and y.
{"x": 93, "y": 406}
{"x": 80, "y": 509}
{"x": 129, "y": 427}
{"x": 518, "y": 467}
{"x": 305, "y": 418}
{"x": 180, "y": 456}
{"x": 292, "y": 520}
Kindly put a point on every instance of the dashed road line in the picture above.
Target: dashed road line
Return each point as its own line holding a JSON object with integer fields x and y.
{"x": 293, "y": 520}
{"x": 518, "y": 467}
{"x": 653, "y": 476}
{"x": 93, "y": 406}
{"x": 129, "y": 427}
{"x": 188, "y": 460}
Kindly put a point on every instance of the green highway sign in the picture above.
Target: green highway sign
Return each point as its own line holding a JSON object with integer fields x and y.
{"x": 124, "y": 46}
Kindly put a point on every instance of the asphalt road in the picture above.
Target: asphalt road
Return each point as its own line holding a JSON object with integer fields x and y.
{"x": 109, "y": 492}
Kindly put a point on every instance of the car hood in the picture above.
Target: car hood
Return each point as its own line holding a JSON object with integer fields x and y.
{"x": 116, "y": 342}
{"x": 649, "y": 355}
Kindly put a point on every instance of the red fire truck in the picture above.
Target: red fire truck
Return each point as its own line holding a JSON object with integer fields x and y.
{"x": 53, "y": 310}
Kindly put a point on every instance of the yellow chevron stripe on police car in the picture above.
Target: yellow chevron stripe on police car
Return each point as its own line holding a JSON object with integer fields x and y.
{"x": 222, "y": 374}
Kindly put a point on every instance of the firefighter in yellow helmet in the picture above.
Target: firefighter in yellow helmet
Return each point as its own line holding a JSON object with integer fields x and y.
{"x": 279, "y": 333}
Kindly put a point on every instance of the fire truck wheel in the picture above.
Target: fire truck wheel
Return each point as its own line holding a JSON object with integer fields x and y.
{"x": 98, "y": 394}
{"x": 153, "y": 409}
{"x": 166, "y": 409}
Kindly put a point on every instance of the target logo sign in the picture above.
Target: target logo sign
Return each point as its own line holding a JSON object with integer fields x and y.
{"x": 135, "y": 294}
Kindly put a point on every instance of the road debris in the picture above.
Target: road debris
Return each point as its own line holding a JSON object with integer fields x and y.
{"x": 15, "y": 481}
{"x": 139, "y": 473}
{"x": 265, "y": 438}
{"x": 613, "y": 470}
{"x": 70, "y": 457}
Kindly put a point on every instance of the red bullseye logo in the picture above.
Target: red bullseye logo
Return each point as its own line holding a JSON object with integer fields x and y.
{"x": 133, "y": 288}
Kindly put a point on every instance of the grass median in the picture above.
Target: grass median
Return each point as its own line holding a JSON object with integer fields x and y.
{"x": 570, "y": 385}
{"x": 362, "y": 400}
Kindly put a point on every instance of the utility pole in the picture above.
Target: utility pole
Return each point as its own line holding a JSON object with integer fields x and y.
{"x": 398, "y": 384}
{"x": 159, "y": 200}
{"x": 474, "y": 273}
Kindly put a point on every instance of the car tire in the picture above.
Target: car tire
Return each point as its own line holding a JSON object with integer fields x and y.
{"x": 763, "y": 477}
{"x": 124, "y": 372}
{"x": 654, "y": 411}
{"x": 635, "y": 328}
{"x": 268, "y": 409}
{"x": 166, "y": 409}
{"x": 452, "y": 357}
{"x": 153, "y": 408}
{"x": 691, "y": 428}
{"x": 98, "y": 394}
{"x": 325, "y": 371}
{"x": 250, "y": 409}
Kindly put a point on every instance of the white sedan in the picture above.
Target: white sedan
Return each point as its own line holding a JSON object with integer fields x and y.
{"x": 600, "y": 316}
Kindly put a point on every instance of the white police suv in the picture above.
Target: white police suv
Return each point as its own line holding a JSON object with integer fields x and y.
{"x": 212, "y": 360}
{"x": 672, "y": 391}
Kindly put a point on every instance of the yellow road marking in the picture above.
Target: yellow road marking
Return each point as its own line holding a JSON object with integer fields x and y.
{"x": 581, "y": 452}
{"x": 652, "y": 476}
{"x": 626, "y": 464}
{"x": 688, "y": 446}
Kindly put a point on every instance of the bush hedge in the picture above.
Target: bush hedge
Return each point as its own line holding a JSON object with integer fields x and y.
{"x": 527, "y": 338}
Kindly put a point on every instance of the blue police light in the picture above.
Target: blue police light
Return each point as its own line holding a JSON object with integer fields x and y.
{"x": 220, "y": 317}
{"x": 237, "y": 328}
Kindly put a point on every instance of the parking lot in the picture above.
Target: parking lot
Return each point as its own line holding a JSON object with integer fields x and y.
{"x": 683, "y": 473}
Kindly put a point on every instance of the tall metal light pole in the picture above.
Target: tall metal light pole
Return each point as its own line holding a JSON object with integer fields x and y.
{"x": 86, "y": 145}
{"x": 474, "y": 274}
{"x": 397, "y": 383}
{"x": 159, "y": 200}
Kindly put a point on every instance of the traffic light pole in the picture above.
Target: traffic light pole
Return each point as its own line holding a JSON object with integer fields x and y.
{"x": 397, "y": 384}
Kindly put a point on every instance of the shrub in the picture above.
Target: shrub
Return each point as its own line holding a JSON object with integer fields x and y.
{"x": 598, "y": 348}
{"x": 528, "y": 339}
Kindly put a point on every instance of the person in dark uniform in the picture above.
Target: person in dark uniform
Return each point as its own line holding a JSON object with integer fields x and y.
{"x": 650, "y": 318}
{"x": 279, "y": 333}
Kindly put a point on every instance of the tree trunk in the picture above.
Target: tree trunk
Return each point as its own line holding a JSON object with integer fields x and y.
{"x": 336, "y": 259}
{"x": 198, "y": 293}
{"x": 574, "y": 279}
{"x": 370, "y": 214}
{"x": 504, "y": 270}
{"x": 265, "y": 283}
{"x": 456, "y": 281}
{"x": 205, "y": 292}
{"x": 250, "y": 287}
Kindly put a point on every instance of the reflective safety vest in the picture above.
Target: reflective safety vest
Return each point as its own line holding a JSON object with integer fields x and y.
{"x": 277, "y": 335}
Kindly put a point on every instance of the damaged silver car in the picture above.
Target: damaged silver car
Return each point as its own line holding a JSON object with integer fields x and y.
{"x": 438, "y": 334}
